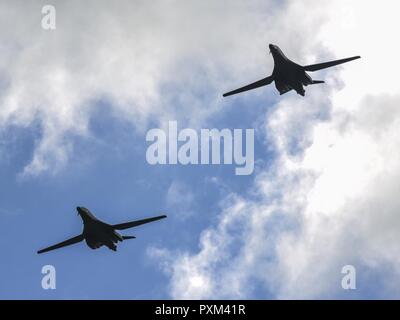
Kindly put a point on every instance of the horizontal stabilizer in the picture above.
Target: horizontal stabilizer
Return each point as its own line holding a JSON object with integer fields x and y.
{"x": 317, "y": 81}
{"x": 254, "y": 85}
{"x": 128, "y": 237}
{"x": 324, "y": 65}
{"x": 136, "y": 223}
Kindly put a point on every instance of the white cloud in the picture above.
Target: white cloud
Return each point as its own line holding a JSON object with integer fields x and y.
{"x": 331, "y": 196}
{"x": 160, "y": 60}
{"x": 180, "y": 199}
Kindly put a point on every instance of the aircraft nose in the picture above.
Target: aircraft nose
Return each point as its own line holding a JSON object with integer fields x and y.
{"x": 272, "y": 48}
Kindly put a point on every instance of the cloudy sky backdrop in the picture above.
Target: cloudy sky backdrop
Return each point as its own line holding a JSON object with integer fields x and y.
{"x": 75, "y": 106}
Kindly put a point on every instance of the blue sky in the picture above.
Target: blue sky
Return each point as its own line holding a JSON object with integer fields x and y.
{"x": 75, "y": 106}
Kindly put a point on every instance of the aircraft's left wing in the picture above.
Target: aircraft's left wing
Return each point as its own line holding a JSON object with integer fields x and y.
{"x": 63, "y": 244}
{"x": 319, "y": 66}
{"x": 136, "y": 223}
{"x": 254, "y": 85}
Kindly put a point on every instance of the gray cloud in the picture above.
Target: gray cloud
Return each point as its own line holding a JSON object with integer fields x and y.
{"x": 330, "y": 197}
{"x": 154, "y": 61}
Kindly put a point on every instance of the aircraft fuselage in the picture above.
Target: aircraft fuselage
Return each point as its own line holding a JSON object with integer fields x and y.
{"x": 287, "y": 74}
{"x": 98, "y": 233}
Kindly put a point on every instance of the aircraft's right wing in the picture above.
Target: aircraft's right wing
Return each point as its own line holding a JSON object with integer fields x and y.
{"x": 63, "y": 244}
{"x": 254, "y": 85}
{"x": 126, "y": 225}
{"x": 324, "y": 65}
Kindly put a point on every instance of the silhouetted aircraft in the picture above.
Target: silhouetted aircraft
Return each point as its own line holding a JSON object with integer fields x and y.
{"x": 289, "y": 75}
{"x": 97, "y": 233}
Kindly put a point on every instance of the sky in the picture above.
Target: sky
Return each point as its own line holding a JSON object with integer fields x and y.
{"x": 76, "y": 104}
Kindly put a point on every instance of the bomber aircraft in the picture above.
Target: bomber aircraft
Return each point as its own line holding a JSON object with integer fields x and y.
{"x": 97, "y": 233}
{"x": 289, "y": 75}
